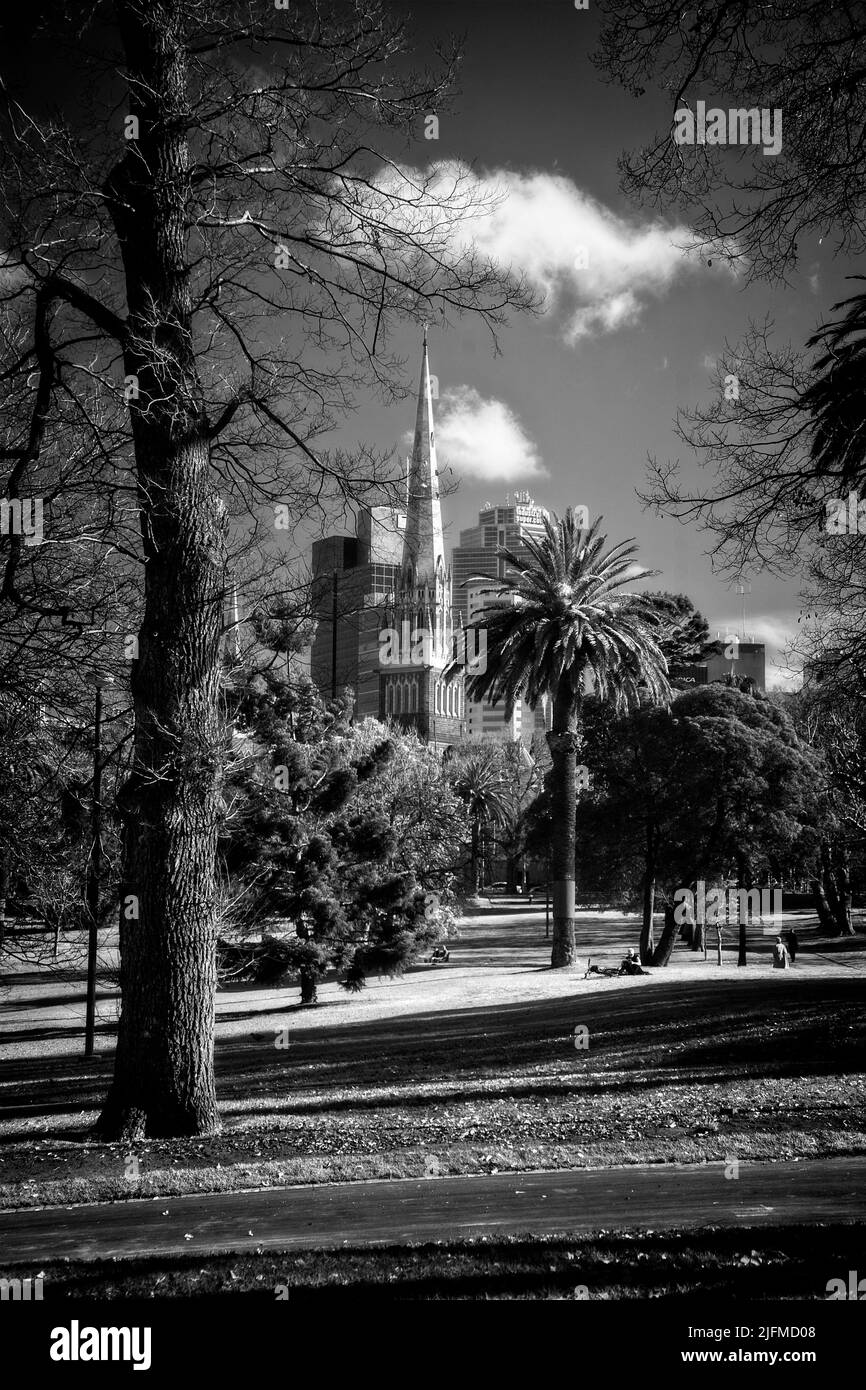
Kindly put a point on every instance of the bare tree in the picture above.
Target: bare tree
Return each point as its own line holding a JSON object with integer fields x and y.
{"x": 806, "y": 58}
{"x": 220, "y": 253}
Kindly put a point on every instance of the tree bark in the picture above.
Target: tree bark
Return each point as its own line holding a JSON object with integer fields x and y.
{"x": 646, "y": 946}
{"x": 842, "y": 883}
{"x": 163, "y": 1078}
{"x": 309, "y": 987}
{"x": 663, "y": 951}
{"x": 745, "y": 879}
{"x": 4, "y": 889}
{"x": 825, "y": 917}
{"x": 562, "y": 742}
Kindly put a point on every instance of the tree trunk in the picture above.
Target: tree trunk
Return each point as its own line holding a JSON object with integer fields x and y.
{"x": 831, "y": 893}
{"x": 4, "y": 889}
{"x": 562, "y": 742}
{"x": 718, "y": 944}
{"x": 842, "y": 880}
{"x": 745, "y": 879}
{"x": 646, "y": 945}
{"x": 309, "y": 986}
{"x": 662, "y": 953}
{"x": 822, "y": 907}
{"x": 163, "y": 1077}
{"x": 476, "y": 860}
{"x": 698, "y": 942}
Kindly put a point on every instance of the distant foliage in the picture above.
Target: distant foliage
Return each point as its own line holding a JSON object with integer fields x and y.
{"x": 338, "y": 840}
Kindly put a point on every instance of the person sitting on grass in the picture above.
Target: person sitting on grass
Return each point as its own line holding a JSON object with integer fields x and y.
{"x": 631, "y": 965}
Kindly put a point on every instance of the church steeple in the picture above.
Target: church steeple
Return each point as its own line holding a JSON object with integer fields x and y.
{"x": 423, "y": 545}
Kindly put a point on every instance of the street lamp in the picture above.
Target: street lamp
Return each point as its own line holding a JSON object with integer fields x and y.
{"x": 100, "y": 680}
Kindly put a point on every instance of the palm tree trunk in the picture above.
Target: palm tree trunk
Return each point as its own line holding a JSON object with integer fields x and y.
{"x": 562, "y": 742}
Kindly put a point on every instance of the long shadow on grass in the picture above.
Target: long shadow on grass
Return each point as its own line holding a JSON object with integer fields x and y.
{"x": 790, "y": 1262}
{"x": 639, "y": 1037}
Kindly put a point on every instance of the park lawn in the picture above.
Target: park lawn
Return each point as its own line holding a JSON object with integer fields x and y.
{"x": 791, "y": 1262}
{"x": 435, "y": 1075}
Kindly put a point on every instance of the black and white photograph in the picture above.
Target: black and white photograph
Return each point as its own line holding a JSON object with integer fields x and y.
{"x": 432, "y": 683}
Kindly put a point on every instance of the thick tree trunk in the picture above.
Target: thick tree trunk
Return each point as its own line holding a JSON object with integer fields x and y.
{"x": 163, "y": 1078}
{"x": 822, "y": 907}
{"x": 646, "y": 945}
{"x": 698, "y": 942}
{"x": 562, "y": 742}
{"x": 662, "y": 953}
{"x": 309, "y": 987}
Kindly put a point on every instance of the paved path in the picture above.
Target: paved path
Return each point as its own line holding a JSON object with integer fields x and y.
{"x": 365, "y": 1213}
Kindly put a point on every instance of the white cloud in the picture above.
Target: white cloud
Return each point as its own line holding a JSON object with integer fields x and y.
{"x": 482, "y": 438}
{"x": 595, "y": 268}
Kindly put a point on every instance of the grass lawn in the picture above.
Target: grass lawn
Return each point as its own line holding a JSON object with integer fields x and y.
{"x": 786, "y": 1263}
{"x": 464, "y": 1068}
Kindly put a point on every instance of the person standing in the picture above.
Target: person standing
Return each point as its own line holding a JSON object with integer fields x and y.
{"x": 781, "y": 959}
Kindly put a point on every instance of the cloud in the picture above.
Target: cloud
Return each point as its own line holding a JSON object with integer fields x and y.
{"x": 482, "y": 438}
{"x": 595, "y": 269}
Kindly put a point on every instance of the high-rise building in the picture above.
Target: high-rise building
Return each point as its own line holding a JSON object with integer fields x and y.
{"x": 383, "y": 599}
{"x": 477, "y": 554}
{"x": 726, "y": 656}
{"x": 352, "y": 577}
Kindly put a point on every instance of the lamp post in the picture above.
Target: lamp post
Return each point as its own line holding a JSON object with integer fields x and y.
{"x": 100, "y": 680}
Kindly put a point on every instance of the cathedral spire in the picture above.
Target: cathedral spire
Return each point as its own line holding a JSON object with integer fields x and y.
{"x": 423, "y": 545}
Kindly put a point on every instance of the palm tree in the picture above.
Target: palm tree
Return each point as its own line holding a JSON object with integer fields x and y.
{"x": 560, "y": 619}
{"x": 835, "y": 398}
{"x": 478, "y": 781}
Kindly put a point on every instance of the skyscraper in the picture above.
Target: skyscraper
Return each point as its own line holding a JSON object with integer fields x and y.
{"x": 477, "y": 555}
{"x": 383, "y": 599}
{"x": 498, "y": 525}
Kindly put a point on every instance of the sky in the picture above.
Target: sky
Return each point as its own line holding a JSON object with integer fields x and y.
{"x": 633, "y": 322}
{"x": 632, "y": 325}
